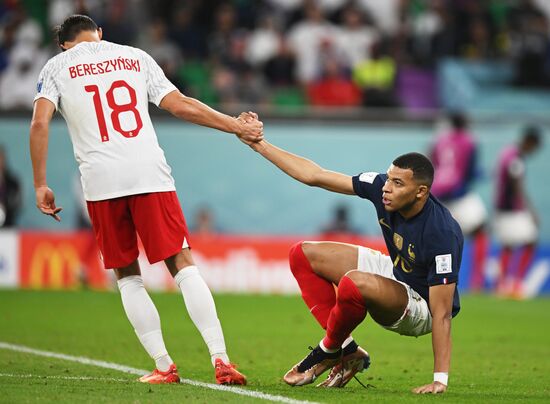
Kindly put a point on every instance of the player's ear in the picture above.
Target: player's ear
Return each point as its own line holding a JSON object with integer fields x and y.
{"x": 100, "y": 33}
{"x": 423, "y": 190}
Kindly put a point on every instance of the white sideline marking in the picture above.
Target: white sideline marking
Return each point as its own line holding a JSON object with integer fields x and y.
{"x": 140, "y": 372}
{"x": 30, "y": 376}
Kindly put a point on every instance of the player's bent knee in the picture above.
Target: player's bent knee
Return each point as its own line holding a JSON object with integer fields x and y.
{"x": 360, "y": 279}
{"x": 295, "y": 257}
{"x": 313, "y": 252}
{"x": 366, "y": 283}
{"x": 298, "y": 256}
{"x": 348, "y": 290}
{"x": 295, "y": 249}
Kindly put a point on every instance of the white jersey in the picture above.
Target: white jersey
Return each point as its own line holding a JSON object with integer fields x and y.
{"x": 102, "y": 90}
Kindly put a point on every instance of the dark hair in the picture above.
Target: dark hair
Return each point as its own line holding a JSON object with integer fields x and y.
{"x": 458, "y": 120}
{"x": 532, "y": 135}
{"x": 72, "y": 26}
{"x": 421, "y": 166}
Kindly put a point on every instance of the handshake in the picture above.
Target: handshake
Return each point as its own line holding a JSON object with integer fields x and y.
{"x": 251, "y": 129}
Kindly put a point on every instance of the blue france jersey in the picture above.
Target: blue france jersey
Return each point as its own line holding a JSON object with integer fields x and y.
{"x": 426, "y": 250}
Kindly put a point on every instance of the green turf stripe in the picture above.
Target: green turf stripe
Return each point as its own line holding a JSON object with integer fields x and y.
{"x": 140, "y": 372}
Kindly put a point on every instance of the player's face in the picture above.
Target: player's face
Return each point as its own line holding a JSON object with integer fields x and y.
{"x": 401, "y": 192}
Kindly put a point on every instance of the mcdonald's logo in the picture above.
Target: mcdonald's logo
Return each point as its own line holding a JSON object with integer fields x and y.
{"x": 54, "y": 265}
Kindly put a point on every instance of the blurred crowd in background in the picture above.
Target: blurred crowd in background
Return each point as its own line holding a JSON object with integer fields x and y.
{"x": 291, "y": 53}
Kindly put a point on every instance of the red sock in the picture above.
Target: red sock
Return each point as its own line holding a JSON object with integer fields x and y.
{"x": 318, "y": 293}
{"x": 347, "y": 314}
{"x": 525, "y": 260}
{"x": 505, "y": 257}
{"x": 479, "y": 256}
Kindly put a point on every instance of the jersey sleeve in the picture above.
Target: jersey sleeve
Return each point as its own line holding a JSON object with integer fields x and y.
{"x": 47, "y": 85}
{"x": 369, "y": 185}
{"x": 158, "y": 86}
{"x": 445, "y": 263}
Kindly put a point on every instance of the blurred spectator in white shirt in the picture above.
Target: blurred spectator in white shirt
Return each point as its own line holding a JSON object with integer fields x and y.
{"x": 355, "y": 38}
{"x": 384, "y": 12}
{"x": 10, "y": 193}
{"x": 306, "y": 39}
{"x": 18, "y": 80}
{"x": 263, "y": 42}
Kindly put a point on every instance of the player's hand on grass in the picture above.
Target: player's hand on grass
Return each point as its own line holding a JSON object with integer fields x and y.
{"x": 433, "y": 388}
{"x": 45, "y": 202}
{"x": 252, "y": 129}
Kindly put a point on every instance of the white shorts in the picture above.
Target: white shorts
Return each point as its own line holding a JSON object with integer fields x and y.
{"x": 514, "y": 229}
{"x": 416, "y": 319}
{"x": 468, "y": 211}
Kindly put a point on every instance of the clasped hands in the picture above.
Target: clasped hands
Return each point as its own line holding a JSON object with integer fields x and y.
{"x": 251, "y": 128}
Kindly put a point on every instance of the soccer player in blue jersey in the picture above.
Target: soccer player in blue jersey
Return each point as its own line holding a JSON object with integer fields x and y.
{"x": 412, "y": 291}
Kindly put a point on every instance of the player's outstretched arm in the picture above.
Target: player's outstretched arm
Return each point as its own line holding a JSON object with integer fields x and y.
{"x": 441, "y": 303}
{"x": 39, "y": 132}
{"x": 304, "y": 170}
{"x": 192, "y": 110}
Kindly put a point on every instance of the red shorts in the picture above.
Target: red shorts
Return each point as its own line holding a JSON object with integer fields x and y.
{"x": 156, "y": 217}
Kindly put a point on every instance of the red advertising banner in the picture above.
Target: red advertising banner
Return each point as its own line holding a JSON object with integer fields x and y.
{"x": 60, "y": 261}
{"x": 229, "y": 263}
{"x": 257, "y": 264}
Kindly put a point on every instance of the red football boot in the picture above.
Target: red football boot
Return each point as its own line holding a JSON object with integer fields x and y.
{"x": 158, "y": 377}
{"x": 227, "y": 374}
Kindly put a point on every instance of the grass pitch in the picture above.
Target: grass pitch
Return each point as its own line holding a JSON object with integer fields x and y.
{"x": 501, "y": 351}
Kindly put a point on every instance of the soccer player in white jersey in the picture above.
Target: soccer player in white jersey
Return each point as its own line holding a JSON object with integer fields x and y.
{"x": 102, "y": 90}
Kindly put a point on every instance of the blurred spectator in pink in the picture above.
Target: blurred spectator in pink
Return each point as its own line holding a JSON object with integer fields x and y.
{"x": 454, "y": 156}
{"x": 10, "y": 193}
{"x": 516, "y": 222}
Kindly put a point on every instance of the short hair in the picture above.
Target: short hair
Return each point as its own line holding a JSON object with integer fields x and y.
{"x": 458, "y": 120}
{"x": 72, "y": 26}
{"x": 532, "y": 135}
{"x": 420, "y": 165}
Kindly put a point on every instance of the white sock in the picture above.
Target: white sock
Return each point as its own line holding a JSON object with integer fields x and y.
{"x": 202, "y": 310}
{"x": 325, "y": 349}
{"x": 347, "y": 341}
{"x": 144, "y": 317}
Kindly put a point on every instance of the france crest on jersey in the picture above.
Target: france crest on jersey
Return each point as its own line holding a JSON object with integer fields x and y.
{"x": 426, "y": 249}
